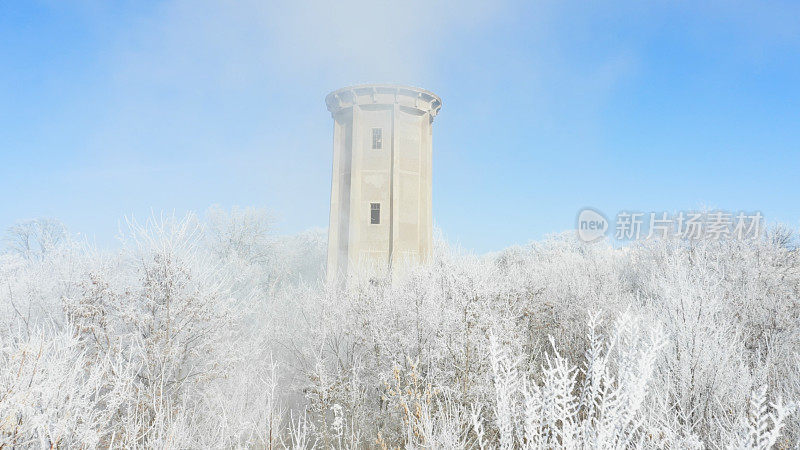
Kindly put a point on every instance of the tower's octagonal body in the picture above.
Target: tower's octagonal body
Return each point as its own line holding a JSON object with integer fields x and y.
{"x": 381, "y": 187}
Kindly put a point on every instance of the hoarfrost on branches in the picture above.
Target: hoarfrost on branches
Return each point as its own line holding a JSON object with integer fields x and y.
{"x": 215, "y": 332}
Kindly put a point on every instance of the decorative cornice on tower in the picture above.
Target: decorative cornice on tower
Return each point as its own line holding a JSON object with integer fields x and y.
{"x": 421, "y": 100}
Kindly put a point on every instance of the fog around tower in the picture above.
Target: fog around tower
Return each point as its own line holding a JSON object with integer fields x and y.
{"x": 249, "y": 41}
{"x": 218, "y": 103}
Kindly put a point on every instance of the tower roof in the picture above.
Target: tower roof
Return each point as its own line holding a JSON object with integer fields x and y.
{"x": 422, "y": 100}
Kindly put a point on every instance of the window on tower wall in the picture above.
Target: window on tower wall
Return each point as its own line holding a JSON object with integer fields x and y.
{"x": 375, "y": 213}
{"x": 377, "y": 138}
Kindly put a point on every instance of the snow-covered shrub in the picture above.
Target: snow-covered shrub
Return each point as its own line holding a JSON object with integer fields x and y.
{"x": 217, "y": 333}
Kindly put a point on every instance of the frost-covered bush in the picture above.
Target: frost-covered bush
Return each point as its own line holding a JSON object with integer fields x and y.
{"x": 217, "y": 333}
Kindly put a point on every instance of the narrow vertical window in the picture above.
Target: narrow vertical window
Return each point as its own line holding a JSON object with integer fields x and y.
{"x": 375, "y": 213}
{"x": 377, "y": 138}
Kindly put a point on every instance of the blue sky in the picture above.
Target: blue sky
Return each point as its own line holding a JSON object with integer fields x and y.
{"x": 110, "y": 109}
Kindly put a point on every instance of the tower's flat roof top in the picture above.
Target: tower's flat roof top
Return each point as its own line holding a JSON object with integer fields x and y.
{"x": 384, "y": 86}
{"x": 333, "y": 99}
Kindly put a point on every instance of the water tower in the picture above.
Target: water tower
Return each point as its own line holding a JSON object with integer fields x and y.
{"x": 381, "y": 188}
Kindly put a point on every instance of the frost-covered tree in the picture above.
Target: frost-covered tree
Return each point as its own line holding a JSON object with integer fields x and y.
{"x": 35, "y": 239}
{"x": 218, "y": 333}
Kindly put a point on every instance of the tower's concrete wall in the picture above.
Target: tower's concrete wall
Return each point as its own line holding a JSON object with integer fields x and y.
{"x": 396, "y": 176}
